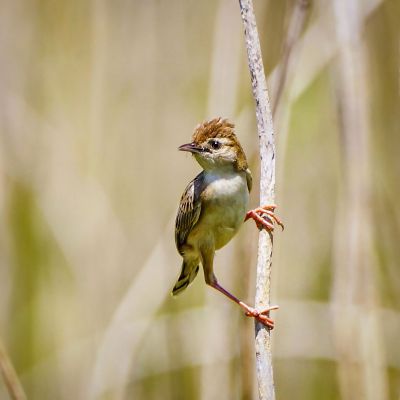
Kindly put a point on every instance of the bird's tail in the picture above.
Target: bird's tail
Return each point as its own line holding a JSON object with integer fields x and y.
{"x": 188, "y": 273}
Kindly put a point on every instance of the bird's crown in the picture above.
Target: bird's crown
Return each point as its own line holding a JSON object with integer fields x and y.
{"x": 214, "y": 128}
{"x": 219, "y": 128}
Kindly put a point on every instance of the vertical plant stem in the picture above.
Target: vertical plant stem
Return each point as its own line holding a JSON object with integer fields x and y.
{"x": 267, "y": 193}
{"x": 295, "y": 28}
{"x": 10, "y": 377}
{"x": 357, "y": 331}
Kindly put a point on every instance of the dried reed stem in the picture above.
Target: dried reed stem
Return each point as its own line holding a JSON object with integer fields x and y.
{"x": 358, "y": 334}
{"x": 10, "y": 377}
{"x": 267, "y": 193}
{"x": 295, "y": 28}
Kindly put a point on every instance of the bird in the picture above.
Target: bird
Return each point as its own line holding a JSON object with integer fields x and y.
{"x": 213, "y": 207}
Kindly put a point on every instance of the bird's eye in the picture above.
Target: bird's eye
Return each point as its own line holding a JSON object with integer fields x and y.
{"x": 215, "y": 144}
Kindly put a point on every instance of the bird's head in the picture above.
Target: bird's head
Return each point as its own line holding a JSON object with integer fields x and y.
{"x": 215, "y": 145}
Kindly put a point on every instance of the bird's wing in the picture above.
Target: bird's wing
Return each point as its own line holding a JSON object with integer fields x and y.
{"x": 249, "y": 179}
{"x": 189, "y": 211}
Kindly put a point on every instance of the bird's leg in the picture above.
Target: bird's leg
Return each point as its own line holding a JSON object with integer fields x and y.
{"x": 261, "y": 316}
{"x": 264, "y": 217}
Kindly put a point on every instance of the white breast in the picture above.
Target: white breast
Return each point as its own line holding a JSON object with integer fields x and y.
{"x": 224, "y": 205}
{"x": 228, "y": 188}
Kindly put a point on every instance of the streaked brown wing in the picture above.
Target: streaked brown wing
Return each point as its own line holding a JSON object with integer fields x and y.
{"x": 189, "y": 211}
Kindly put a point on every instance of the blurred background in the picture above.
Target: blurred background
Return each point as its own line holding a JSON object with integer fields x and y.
{"x": 95, "y": 98}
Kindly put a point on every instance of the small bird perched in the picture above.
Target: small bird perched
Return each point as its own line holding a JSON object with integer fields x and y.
{"x": 213, "y": 207}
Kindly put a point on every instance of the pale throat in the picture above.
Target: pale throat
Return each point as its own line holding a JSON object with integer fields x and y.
{"x": 217, "y": 167}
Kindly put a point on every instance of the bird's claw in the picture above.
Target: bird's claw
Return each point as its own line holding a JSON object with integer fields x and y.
{"x": 264, "y": 217}
{"x": 260, "y": 315}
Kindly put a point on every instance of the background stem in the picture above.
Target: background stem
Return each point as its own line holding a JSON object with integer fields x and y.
{"x": 10, "y": 377}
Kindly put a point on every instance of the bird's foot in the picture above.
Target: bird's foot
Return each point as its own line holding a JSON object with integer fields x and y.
{"x": 264, "y": 217}
{"x": 261, "y": 316}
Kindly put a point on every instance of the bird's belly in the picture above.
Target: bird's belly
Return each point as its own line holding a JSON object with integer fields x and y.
{"x": 226, "y": 222}
{"x": 223, "y": 215}
{"x": 223, "y": 235}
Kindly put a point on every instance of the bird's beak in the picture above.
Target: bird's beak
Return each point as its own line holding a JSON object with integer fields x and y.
{"x": 191, "y": 147}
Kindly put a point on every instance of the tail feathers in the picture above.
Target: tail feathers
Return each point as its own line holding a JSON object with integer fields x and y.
{"x": 186, "y": 277}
